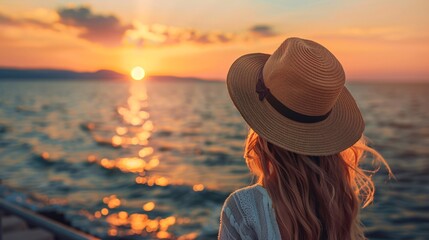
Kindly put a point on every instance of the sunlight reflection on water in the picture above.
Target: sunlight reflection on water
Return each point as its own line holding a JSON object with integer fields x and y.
{"x": 136, "y": 130}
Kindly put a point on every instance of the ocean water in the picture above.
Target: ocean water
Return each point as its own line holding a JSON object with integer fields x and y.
{"x": 156, "y": 160}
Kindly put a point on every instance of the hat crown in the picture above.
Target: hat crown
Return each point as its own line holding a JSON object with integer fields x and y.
{"x": 304, "y": 76}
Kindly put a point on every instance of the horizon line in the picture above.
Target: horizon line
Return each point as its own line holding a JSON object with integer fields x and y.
{"x": 125, "y": 76}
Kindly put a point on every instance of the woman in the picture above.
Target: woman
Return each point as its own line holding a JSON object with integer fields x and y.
{"x": 304, "y": 146}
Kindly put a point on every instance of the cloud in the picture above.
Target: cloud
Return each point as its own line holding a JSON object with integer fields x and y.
{"x": 23, "y": 22}
{"x": 104, "y": 29}
{"x": 214, "y": 38}
{"x": 5, "y": 20}
{"x": 262, "y": 30}
{"x": 108, "y": 29}
{"x": 160, "y": 35}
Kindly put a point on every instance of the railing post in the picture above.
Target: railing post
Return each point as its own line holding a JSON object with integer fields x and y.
{"x": 1, "y": 215}
{"x": 1, "y": 224}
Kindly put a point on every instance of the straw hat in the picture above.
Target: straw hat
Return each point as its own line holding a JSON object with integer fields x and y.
{"x": 296, "y": 98}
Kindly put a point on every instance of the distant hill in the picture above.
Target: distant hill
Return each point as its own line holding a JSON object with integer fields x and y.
{"x": 60, "y": 74}
{"x": 21, "y": 73}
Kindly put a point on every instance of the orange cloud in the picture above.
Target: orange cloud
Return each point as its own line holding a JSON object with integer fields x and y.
{"x": 108, "y": 30}
{"x": 23, "y": 22}
{"x": 160, "y": 35}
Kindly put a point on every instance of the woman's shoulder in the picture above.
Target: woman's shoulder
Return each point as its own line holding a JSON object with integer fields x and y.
{"x": 248, "y": 198}
{"x": 249, "y": 191}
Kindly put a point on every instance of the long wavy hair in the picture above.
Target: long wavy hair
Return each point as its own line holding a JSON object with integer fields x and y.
{"x": 314, "y": 197}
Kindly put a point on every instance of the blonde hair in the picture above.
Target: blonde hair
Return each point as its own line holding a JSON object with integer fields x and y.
{"x": 314, "y": 197}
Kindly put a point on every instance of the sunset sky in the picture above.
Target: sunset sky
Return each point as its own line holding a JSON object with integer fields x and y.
{"x": 374, "y": 40}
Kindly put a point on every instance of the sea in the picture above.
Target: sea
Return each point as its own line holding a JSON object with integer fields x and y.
{"x": 157, "y": 159}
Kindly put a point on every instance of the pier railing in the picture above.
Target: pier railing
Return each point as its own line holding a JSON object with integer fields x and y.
{"x": 59, "y": 230}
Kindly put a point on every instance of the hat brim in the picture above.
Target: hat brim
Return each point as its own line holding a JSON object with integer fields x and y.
{"x": 342, "y": 129}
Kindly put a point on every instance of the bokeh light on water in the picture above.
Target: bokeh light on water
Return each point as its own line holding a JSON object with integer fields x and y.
{"x": 135, "y": 132}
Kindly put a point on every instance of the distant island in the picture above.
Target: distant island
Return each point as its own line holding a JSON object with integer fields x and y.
{"x": 61, "y": 74}
{"x": 23, "y": 73}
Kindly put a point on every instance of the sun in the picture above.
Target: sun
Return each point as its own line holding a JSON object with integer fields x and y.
{"x": 137, "y": 73}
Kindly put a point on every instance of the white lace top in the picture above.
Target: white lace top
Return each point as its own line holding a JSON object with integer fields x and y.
{"x": 248, "y": 214}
